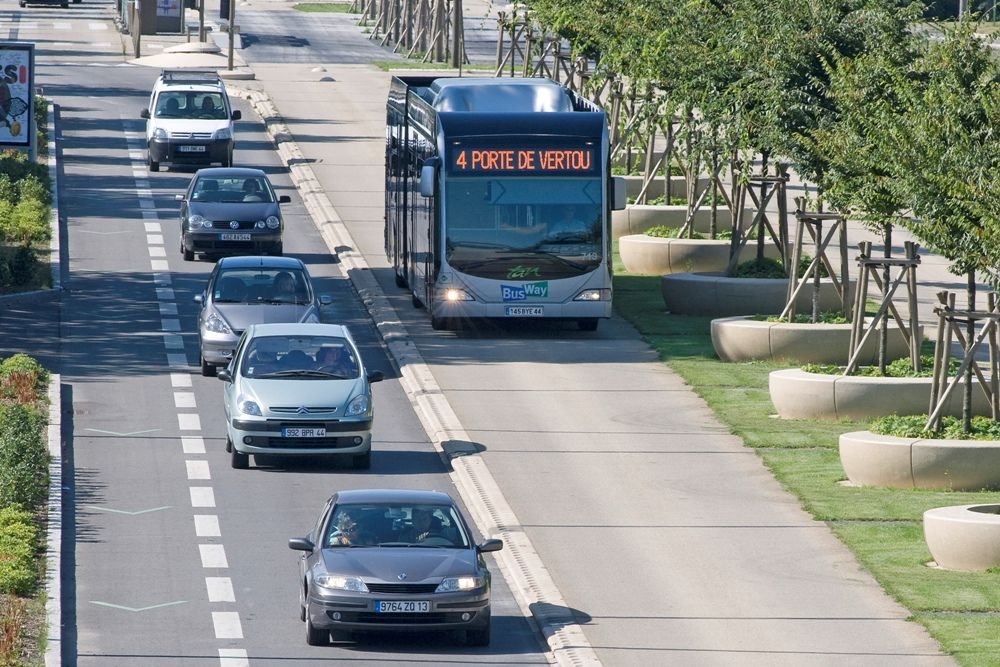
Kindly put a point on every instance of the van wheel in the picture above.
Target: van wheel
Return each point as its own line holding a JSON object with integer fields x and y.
{"x": 153, "y": 166}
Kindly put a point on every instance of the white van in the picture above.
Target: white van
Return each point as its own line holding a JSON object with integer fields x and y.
{"x": 189, "y": 120}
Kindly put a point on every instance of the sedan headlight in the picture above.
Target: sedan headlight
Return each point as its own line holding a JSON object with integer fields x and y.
{"x": 159, "y": 133}
{"x": 197, "y": 221}
{"x": 259, "y": 224}
{"x": 249, "y": 407}
{"x": 357, "y": 406}
{"x": 273, "y": 222}
{"x": 216, "y": 324}
{"x": 453, "y": 584}
{"x": 224, "y": 133}
{"x": 338, "y": 582}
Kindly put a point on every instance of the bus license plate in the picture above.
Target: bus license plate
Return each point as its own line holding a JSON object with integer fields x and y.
{"x": 303, "y": 432}
{"x": 402, "y": 606}
{"x": 191, "y": 149}
{"x": 523, "y": 311}
{"x": 234, "y": 237}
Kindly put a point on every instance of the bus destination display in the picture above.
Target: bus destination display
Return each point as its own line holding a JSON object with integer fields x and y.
{"x": 524, "y": 160}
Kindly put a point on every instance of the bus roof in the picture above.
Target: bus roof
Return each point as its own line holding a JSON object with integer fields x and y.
{"x": 499, "y": 95}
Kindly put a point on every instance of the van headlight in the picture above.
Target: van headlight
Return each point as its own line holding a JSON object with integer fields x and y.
{"x": 223, "y": 134}
{"x": 159, "y": 133}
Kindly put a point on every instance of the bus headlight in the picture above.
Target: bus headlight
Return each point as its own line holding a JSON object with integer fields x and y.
{"x": 456, "y": 294}
{"x": 593, "y": 295}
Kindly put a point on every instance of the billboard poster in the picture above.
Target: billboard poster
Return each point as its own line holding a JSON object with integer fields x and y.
{"x": 168, "y": 7}
{"x": 17, "y": 90}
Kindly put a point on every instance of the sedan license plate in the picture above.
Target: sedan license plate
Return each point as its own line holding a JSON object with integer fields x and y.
{"x": 523, "y": 311}
{"x": 234, "y": 237}
{"x": 191, "y": 149}
{"x": 304, "y": 432}
{"x": 402, "y": 606}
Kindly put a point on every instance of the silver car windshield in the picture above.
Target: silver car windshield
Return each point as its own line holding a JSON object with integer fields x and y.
{"x": 261, "y": 286}
{"x": 300, "y": 357}
{"x": 404, "y": 526}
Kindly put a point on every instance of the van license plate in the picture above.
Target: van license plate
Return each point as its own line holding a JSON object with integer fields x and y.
{"x": 191, "y": 149}
{"x": 523, "y": 311}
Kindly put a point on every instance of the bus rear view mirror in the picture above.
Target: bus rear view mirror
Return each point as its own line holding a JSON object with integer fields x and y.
{"x": 618, "y": 193}
{"x": 427, "y": 180}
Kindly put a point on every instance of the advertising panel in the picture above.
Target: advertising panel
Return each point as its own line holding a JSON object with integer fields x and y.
{"x": 17, "y": 90}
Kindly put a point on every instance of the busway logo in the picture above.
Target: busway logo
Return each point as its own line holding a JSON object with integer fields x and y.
{"x": 525, "y": 291}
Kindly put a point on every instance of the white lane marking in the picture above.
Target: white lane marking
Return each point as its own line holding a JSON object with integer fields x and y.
{"x": 147, "y": 204}
{"x": 227, "y": 625}
{"x": 170, "y": 325}
{"x": 62, "y": 25}
{"x": 161, "y": 279}
{"x": 213, "y": 555}
{"x": 207, "y": 525}
{"x": 184, "y": 399}
{"x": 157, "y": 251}
{"x": 136, "y": 609}
{"x": 202, "y": 496}
{"x": 124, "y": 433}
{"x": 180, "y": 380}
{"x": 173, "y": 341}
{"x": 165, "y": 293}
{"x": 177, "y": 361}
{"x": 233, "y": 657}
{"x": 153, "y": 228}
{"x": 94, "y": 25}
{"x": 159, "y": 265}
{"x": 168, "y": 309}
{"x": 126, "y": 512}
{"x": 220, "y": 589}
{"x": 149, "y": 215}
{"x": 154, "y": 239}
{"x": 189, "y": 422}
{"x": 198, "y": 470}
{"x": 147, "y": 195}
{"x": 193, "y": 445}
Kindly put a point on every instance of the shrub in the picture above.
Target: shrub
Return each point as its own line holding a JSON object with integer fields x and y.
{"x": 26, "y": 223}
{"x": 8, "y": 190}
{"x": 23, "y": 457}
{"x": 912, "y": 426}
{"x": 665, "y": 232}
{"x": 18, "y": 546}
{"x": 30, "y": 187}
{"x": 22, "y": 379}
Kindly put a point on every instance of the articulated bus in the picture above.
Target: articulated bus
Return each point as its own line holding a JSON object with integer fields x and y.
{"x": 498, "y": 199}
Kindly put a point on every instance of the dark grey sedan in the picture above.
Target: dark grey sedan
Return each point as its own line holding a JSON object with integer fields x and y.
{"x": 230, "y": 210}
{"x": 393, "y": 560}
{"x": 251, "y": 290}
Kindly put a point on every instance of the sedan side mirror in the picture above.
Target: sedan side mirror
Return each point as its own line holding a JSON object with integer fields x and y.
{"x": 284, "y": 199}
{"x": 325, "y": 299}
{"x": 489, "y": 545}
{"x": 237, "y": 115}
{"x": 144, "y": 113}
{"x": 199, "y": 298}
{"x": 301, "y": 544}
{"x": 376, "y": 376}
{"x": 224, "y": 375}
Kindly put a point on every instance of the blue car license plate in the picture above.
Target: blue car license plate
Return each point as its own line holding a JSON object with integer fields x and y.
{"x": 402, "y": 606}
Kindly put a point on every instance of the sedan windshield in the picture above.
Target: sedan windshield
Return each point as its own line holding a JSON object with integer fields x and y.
{"x": 262, "y": 285}
{"x": 404, "y": 526}
{"x": 251, "y": 189}
{"x": 301, "y": 357}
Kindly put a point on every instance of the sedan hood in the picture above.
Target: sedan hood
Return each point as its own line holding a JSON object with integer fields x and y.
{"x": 308, "y": 392}
{"x": 241, "y": 315}
{"x": 233, "y": 210}
{"x": 387, "y": 563}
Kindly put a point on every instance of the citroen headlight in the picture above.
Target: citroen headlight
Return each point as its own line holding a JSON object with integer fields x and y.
{"x": 593, "y": 295}
{"x": 223, "y": 134}
{"x": 249, "y": 407}
{"x": 453, "y": 584}
{"x": 358, "y": 406}
{"x": 216, "y": 324}
{"x": 337, "y": 582}
{"x": 456, "y": 294}
{"x": 197, "y": 221}
{"x": 159, "y": 133}
{"x": 273, "y": 222}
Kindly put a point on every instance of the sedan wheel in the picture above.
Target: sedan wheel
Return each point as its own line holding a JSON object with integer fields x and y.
{"x": 316, "y": 636}
{"x": 479, "y": 636}
{"x": 239, "y": 461}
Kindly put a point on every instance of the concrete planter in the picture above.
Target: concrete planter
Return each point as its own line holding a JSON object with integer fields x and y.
{"x": 797, "y": 394}
{"x": 717, "y": 295}
{"x": 653, "y": 256}
{"x": 678, "y": 186}
{"x": 744, "y": 339}
{"x": 920, "y": 463}
{"x": 964, "y": 537}
{"x": 637, "y": 218}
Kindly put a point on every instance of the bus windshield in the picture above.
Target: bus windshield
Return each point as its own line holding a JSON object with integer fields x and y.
{"x": 531, "y": 228}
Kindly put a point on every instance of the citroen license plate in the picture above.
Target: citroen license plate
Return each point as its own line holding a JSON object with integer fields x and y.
{"x": 191, "y": 149}
{"x": 304, "y": 432}
{"x": 234, "y": 237}
{"x": 524, "y": 311}
{"x": 402, "y": 606}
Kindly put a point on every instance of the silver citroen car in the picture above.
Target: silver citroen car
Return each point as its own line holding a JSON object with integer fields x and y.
{"x": 298, "y": 389}
{"x": 251, "y": 290}
{"x": 396, "y": 561}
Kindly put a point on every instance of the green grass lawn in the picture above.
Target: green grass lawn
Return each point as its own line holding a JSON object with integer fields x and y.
{"x": 328, "y": 7}
{"x": 882, "y": 527}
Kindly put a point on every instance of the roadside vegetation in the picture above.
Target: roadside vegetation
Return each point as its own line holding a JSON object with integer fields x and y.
{"x": 324, "y": 7}
{"x": 23, "y": 491}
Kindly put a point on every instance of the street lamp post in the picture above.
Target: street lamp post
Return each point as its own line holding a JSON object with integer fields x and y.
{"x": 232, "y": 29}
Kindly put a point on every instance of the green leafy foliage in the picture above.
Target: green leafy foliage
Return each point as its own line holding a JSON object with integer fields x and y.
{"x": 912, "y": 426}
{"x": 897, "y": 368}
{"x": 23, "y": 457}
{"x": 18, "y": 547}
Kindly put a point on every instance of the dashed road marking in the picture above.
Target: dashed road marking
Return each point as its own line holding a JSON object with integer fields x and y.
{"x": 202, "y": 496}
{"x": 193, "y": 445}
{"x": 184, "y": 399}
{"x": 207, "y": 525}
{"x": 233, "y": 657}
{"x": 220, "y": 589}
{"x": 213, "y": 556}
{"x": 189, "y": 422}
{"x": 198, "y": 470}
{"x": 227, "y": 625}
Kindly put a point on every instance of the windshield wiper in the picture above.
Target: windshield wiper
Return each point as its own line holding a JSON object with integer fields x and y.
{"x": 299, "y": 373}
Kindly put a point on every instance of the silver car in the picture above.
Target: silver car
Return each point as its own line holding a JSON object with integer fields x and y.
{"x": 393, "y": 560}
{"x": 298, "y": 389}
{"x": 251, "y": 290}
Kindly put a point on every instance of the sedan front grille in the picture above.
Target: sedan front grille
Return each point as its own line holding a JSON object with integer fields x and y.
{"x": 304, "y": 410}
{"x": 401, "y": 588}
{"x": 224, "y": 224}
